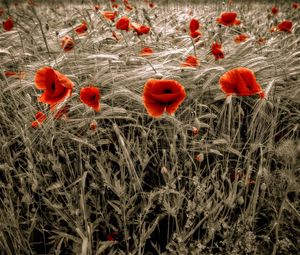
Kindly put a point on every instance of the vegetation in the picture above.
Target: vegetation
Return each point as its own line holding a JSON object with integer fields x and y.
{"x": 220, "y": 176}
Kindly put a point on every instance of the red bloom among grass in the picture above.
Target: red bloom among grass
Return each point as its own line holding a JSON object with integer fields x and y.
{"x": 112, "y": 236}
{"x": 109, "y": 15}
{"x": 240, "y": 81}
{"x": 17, "y": 75}
{"x": 140, "y": 29}
{"x": 115, "y": 6}
{"x": 81, "y": 29}
{"x": 191, "y": 61}
{"x": 194, "y": 25}
{"x": 146, "y": 52}
{"x": 274, "y": 10}
{"x": 228, "y": 19}
{"x": 8, "y": 24}
{"x": 241, "y": 38}
{"x": 62, "y": 112}
{"x": 151, "y": 5}
{"x": 91, "y": 96}
{"x": 67, "y": 43}
{"x": 56, "y": 86}
{"x": 195, "y": 34}
{"x": 1, "y": 11}
{"x": 216, "y": 50}
{"x": 295, "y": 6}
{"x": 285, "y": 26}
{"x": 39, "y": 119}
{"x": 128, "y": 6}
{"x": 35, "y": 124}
{"x": 162, "y": 95}
{"x": 93, "y": 125}
{"x": 97, "y": 7}
{"x": 123, "y": 24}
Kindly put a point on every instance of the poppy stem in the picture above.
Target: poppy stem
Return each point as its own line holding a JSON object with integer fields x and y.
{"x": 41, "y": 27}
{"x": 150, "y": 65}
{"x": 195, "y": 53}
{"x": 125, "y": 39}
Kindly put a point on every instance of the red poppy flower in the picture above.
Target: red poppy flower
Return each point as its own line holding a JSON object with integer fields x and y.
{"x": 161, "y": 95}
{"x": 1, "y": 11}
{"x": 274, "y": 10}
{"x": 97, "y": 7}
{"x": 17, "y": 75}
{"x": 81, "y": 28}
{"x": 285, "y": 26}
{"x": 62, "y": 112}
{"x": 115, "y": 6}
{"x": 199, "y": 157}
{"x": 294, "y": 5}
{"x": 241, "y": 38}
{"x": 67, "y": 43}
{"x": 112, "y": 236}
{"x": 240, "y": 81}
{"x": 91, "y": 96}
{"x": 216, "y": 50}
{"x": 195, "y": 34}
{"x": 40, "y": 117}
{"x": 228, "y": 19}
{"x": 8, "y": 24}
{"x": 146, "y": 52}
{"x": 191, "y": 61}
{"x": 151, "y": 5}
{"x": 56, "y": 86}
{"x": 123, "y": 24}
{"x": 140, "y": 29}
{"x": 93, "y": 125}
{"x": 194, "y": 25}
{"x": 35, "y": 124}
{"x": 109, "y": 15}
{"x": 195, "y": 131}
{"x": 128, "y": 7}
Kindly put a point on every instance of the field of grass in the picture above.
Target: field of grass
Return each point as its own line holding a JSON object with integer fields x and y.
{"x": 219, "y": 176}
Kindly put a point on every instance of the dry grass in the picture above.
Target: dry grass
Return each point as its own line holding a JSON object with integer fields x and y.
{"x": 65, "y": 188}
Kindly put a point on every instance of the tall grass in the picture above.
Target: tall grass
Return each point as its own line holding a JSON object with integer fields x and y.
{"x": 233, "y": 188}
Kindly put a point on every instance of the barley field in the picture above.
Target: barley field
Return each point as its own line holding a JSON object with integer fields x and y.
{"x": 139, "y": 127}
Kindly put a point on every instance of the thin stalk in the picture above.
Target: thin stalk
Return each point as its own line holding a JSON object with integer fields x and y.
{"x": 41, "y": 28}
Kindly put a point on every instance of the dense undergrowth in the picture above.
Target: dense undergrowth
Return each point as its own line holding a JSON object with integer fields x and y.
{"x": 221, "y": 176}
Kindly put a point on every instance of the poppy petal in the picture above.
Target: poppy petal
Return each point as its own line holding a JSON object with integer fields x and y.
{"x": 40, "y": 117}
{"x": 162, "y": 94}
{"x": 194, "y": 25}
{"x": 153, "y": 108}
{"x": 240, "y": 81}
{"x": 42, "y": 77}
{"x": 146, "y": 52}
{"x": 64, "y": 80}
{"x": 91, "y": 96}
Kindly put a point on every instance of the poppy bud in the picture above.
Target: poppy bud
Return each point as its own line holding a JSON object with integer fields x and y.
{"x": 164, "y": 170}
